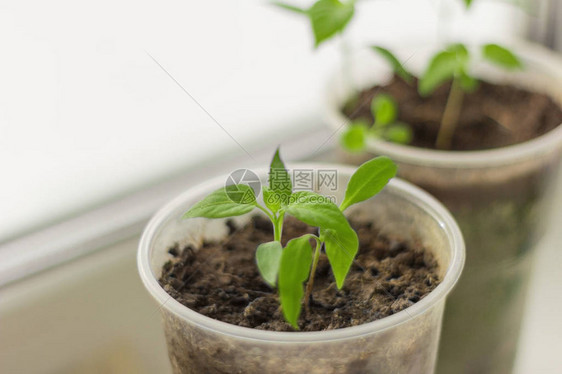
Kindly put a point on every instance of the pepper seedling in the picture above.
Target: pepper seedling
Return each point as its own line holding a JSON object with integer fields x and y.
{"x": 452, "y": 64}
{"x": 385, "y": 126}
{"x": 290, "y": 267}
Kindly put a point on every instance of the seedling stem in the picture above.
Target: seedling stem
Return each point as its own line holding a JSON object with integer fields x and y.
{"x": 450, "y": 116}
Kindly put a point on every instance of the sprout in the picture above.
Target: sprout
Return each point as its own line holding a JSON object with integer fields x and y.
{"x": 385, "y": 126}
{"x": 290, "y": 267}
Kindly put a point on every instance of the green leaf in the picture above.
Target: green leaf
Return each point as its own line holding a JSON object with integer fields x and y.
{"x": 368, "y": 180}
{"x": 329, "y": 17}
{"x": 229, "y": 201}
{"x": 240, "y": 194}
{"x": 296, "y": 260}
{"x": 376, "y": 132}
{"x": 353, "y": 137}
{"x": 341, "y": 247}
{"x": 444, "y": 66}
{"x": 268, "y": 258}
{"x": 316, "y": 210}
{"x": 271, "y": 199}
{"x": 341, "y": 240}
{"x": 288, "y": 7}
{"x": 399, "y": 133}
{"x": 461, "y": 51}
{"x": 467, "y": 3}
{"x": 279, "y": 179}
{"x": 501, "y": 56}
{"x": 394, "y": 63}
{"x": 383, "y": 108}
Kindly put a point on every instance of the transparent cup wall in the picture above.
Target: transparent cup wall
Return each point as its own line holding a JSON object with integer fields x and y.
{"x": 403, "y": 343}
{"x": 501, "y": 213}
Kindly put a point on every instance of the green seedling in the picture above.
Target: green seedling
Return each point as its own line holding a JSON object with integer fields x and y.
{"x": 327, "y": 17}
{"x": 385, "y": 126}
{"x": 290, "y": 267}
{"x": 452, "y": 64}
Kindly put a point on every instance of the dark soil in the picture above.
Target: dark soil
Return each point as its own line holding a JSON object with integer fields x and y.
{"x": 493, "y": 116}
{"x": 221, "y": 280}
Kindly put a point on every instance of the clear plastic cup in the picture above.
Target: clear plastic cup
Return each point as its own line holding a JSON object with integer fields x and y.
{"x": 405, "y": 342}
{"x": 500, "y": 199}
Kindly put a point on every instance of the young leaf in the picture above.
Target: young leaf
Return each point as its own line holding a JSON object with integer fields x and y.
{"x": 368, "y": 180}
{"x": 341, "y": 247}
{"x": 271, "y": 199}
{"x": 501, "y": 56}
{"x": 268, "y": 258}
{"x": 444, "y": 66}
{"x": 329, "y": 17}
{"x": 296, "y": 260}
{"x": 316, "y": 210}
{"x": 353, "y": 137}
{"x": 395, "y": 64}
{"x": 340, "y": 239}
{"x": 289, "y": 7}
{"x": 399, "y": 133}
{"x": 229, "y": 201}
{"x": 279, "y": 179}
{"x": 383, "y": 108}
{"x": 461, "y": 51}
